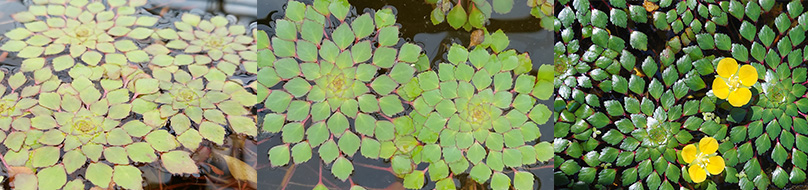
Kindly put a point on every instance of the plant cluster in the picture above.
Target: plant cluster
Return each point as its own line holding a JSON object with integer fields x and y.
{"x": 468, "y": 14}
{"x": 96, "y": 94}
{"x": 640, "y": 82}
{"x": 352, "y": 87}
{"x": 542, "y": 9}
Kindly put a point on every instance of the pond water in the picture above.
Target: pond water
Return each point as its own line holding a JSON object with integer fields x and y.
{"x": 524, "y": 33}
{"x": 215, "y": 170}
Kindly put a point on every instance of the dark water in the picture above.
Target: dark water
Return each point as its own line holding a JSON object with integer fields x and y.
{"x": 524, "y": 33}
{"x": 214, "y": 171}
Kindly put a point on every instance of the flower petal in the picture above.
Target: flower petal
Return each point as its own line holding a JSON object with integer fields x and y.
{"x": 689, "y": 153}
{"x": 727, "y": 67}
{"x": 708, "y": 145}
{"x": 697, "y": 174}
{"x": 748, "y": 75}
{"x": 739, "y": 97}
{"x": 715, "y": 165}
{"x": 720, "y": 88}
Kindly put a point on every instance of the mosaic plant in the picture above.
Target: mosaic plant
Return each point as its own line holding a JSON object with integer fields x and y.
{"x": 477, "y": 114}
{"x": 704, "y": 95}
{"x": 92, "y": 98}
{"x": 345, "y": 89}
{"x": 542, "y": 9}
{"x": 475, "y": 13}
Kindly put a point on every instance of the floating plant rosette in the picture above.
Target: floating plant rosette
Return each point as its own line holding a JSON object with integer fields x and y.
{"x": 346, "y": 86}
{"x": 671, "y": 95}
{"x": 86, "y": 108}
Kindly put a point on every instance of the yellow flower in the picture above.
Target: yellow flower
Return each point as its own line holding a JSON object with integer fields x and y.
{"x": 732, "y": 84}
{"x": 703, "y": 159}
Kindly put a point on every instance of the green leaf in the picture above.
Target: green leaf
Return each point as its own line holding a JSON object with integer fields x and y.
{"x": 499, "y": 41}
{"x": 179, "y": 162}
{"x": 339, "y": 8}
{"x": 779, "y": 154}
{"x": 127, "y": 177}
{"x": 388, "y": 36}
{"x": 638, "y": 40}
{"x": 480, "y": 173}
{"x": 306, "y": 51}
{"x": 295, "y": 10}
{"x": 798, "y": 159}
{"x": 342, "y": 168}
{"x": 456, "y": 17}
{"x": 215, "y": 133}
{"x": 797, "y": 175}
{"x": 361, "y": 51}
{"x": 99, "y": 174}
{"x": 523, "y": 180}
{"x": 52, "y": 177}
{"x": 476, "y": 18}
{"x": 458, "y": 54}
{"x": 301, "y": 152}
{"x": 138, "y": 152}
{"x": 438, "y": 169}
{"x": 544, "y": 151}
{"x": 329, "y": 151}
{"x": 401, "y": 164}
{"x": 370, "y": 148}
{"x": 409, "y": 53}
{"x": 45, "y": 156}
{"x": 385, "y": 17}
{"x": 343, "y": 36}
{"x": 161, "y": 140}
{"x": 437, "y": 16}
{"x": 349, "y": 143}
{"x": 780, "y": 177}
{"x": 414, "y": 180}
{"x": 383, "y": 85}
{"x": 766, "y": 35}
{"x": 116, "y": 155}
{"x": 614, "y": 108}
{"x": 146, "y": 86}
{"x": 500, "y": 181}
{"x": 503, "y": 6}
{"x": 297, "y": 87}
{"x": 287, "y": 68}
{"x": 362, "y": 26}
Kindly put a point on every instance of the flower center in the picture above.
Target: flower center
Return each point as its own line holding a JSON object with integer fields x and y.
{"x": 338, "y": 82}
{"x": 82, "y": 32}
{"x": 702, "y": 159}
{"x": 734, "y": 82}
{"x": 778, "y": 96}
{"x": 215, "y": 42}
{"x": 658, "y": 135}
{"x": 478, "y": 115}
{"x": 560, "y": 66}
{"x": 6, "y": 107}
{"x": 84, "y": 125}
{"x": 186, "y": 95}
{"x": 776, "y": 93}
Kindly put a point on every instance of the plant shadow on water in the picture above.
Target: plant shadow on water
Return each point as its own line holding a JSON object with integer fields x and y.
{"x": 220, "y": 166}
{"x": 415, "y": 27}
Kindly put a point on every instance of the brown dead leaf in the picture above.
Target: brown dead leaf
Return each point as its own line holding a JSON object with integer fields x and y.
{"x": 3, "y": 56}
{"x": 240, "y": 170}
{"x": 14, "y": 170}
{"x": 477, "y": 37}
{"x": 395, "y": 186}
{"x": 650, "y": 6}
